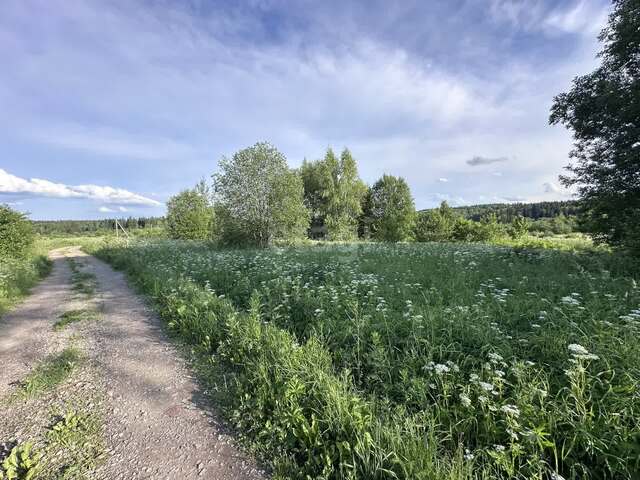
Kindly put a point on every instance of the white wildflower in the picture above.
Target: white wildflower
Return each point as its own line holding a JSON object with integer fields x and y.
{"x": 510, "y": 410}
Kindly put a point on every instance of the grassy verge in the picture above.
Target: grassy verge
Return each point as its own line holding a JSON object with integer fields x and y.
{"x": 17, "y": 276}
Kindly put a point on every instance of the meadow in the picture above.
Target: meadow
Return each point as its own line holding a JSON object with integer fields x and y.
{"x": 411, "y": 360}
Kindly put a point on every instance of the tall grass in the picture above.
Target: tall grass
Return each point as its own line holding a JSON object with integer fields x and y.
{"x": 414, "y": 361}
{"x": 18, "y": 275}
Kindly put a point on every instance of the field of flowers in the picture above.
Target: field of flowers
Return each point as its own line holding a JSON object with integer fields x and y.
{"x": 431, "y": 361}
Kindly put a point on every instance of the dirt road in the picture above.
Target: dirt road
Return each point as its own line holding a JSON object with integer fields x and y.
{"x": 155, "y": 423}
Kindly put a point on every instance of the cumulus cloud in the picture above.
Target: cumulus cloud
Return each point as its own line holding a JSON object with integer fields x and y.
{"x": 478, "y": 160}
{"x": 36, "y": 187}
{"x": 443, "y": 180}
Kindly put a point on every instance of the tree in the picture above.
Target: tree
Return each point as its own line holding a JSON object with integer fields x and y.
{"x": 190, "y": 215}
{"x": 334, "y": 193}
{"x": 311, "y": 173}
{"x": 16, "y": 233}
{"x": 365, "y": 219}
{"x": 436, "y": 225}
{"x": 258, "y": 198}
{"x": 519, "y": 227}
{"x": 603, "y": 111}
{"x": 392, "y": 209}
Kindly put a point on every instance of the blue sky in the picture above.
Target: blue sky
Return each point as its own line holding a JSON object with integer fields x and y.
{"x": 110, "y": 107}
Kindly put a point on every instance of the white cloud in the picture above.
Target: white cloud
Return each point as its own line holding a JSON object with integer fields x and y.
{"x": 36, "y": 187}
{"x": 550, "y": 187}
{"x": 583, "y": 17}
{"x": 443, "y": 180}
{"x": 161, "y": 83}
{"x": 105, "y": 209}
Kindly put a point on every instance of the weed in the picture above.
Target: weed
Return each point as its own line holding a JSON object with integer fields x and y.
{"x": 75, "y": 439}
{"x": 83, "y": 282}
{"x": 23, "y": 463}
{"x": 72, "y": 316}
{"x": 49, "y": 373}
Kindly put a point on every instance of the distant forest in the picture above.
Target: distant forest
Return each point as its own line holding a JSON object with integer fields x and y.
{"x": 46, "y": 227}
{"x": 506, "y": 212}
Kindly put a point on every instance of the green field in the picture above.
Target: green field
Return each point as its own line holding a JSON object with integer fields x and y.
{"x": 412, "y": 360}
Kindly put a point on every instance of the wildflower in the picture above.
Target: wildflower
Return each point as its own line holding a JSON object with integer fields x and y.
{"x": 486, "y": 386}
{"x": 441, "y": 369}
{"x": 577, "y": 349}
{"x": 495, "y": 358}
{"x": 468, "y": 455}
{"x": 499, "y": 448}
{"x": 510, "y": 410}
{"x": 465, "y": 400}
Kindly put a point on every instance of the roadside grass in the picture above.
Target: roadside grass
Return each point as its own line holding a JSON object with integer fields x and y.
{"x": 18, "y": 276}
{"x": 73, "y": 316}
{"x": 51, "y": 372}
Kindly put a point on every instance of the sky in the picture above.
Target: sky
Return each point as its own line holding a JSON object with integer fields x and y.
{"x": 108, "y": 107}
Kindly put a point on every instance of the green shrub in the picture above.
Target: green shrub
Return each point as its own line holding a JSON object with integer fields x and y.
{"x": 16, "y": 233}
{"x": 190, "y": 215}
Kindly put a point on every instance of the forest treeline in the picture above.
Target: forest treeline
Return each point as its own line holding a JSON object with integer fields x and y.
{"x": 506, "y": 212}
{"x": 81, "y": 227}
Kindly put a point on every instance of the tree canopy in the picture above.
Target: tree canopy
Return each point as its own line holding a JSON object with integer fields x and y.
{"x": 602, "y": 109}
{"x": 258, "y": 198}
{"x": 392, "y": 209}
{"x": 334, "y": 193}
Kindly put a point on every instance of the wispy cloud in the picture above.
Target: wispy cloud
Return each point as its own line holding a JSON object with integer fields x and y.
{"x": 105, "y": 209}
{"x": 443, "y": 180}
{"x": 477, "y": 160}
{"x": 110, "y": 142}
{"x": 36, "y": 187}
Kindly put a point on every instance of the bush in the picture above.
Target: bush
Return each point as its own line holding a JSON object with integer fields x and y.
{"x": 190, "y": 215}
{"x": 16, "y": 233}
{"x": 436, "y": 225}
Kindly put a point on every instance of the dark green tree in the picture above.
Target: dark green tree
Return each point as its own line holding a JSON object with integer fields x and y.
{"x": 392, "y": 209}
{"x": 603, "y": 110}
{"x": 16, "y": 233}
